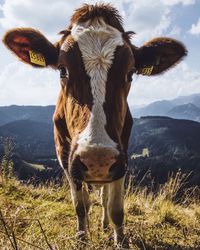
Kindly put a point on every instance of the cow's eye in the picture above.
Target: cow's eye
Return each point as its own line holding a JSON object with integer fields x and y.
{"x": 130, "y": 74}
{"x": 63, "y": 71}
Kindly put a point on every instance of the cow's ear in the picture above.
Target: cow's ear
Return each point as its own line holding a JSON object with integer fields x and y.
{"x": 158, "y": 55}
{"x": 31, "y": 47}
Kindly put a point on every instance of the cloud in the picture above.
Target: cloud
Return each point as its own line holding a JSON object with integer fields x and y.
{"x": 48, "y": 16}
{"x": 147, "y": 18}
{"x": 195, "y": 29}
{"x": 179, "y": 81}
{"x": 175, "y": 31}
{"x": 174, "y": 2}
{"x": 22, "y": 84}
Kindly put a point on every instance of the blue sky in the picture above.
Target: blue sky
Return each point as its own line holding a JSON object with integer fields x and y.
{"x": 20, "y": 84}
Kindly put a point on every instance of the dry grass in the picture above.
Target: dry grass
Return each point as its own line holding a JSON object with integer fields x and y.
{"x": 44, "y": 218}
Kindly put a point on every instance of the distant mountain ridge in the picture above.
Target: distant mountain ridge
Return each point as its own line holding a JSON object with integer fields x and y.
{"x": 35, "y": 113}
{"x": 189, "y": 111}
{"x": 184, "y": 107}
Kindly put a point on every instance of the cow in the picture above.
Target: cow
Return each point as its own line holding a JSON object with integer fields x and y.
{"x": 92, "y": 120}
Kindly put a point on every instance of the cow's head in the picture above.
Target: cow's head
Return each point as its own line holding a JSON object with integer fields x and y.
{"x": 96, "y": 61}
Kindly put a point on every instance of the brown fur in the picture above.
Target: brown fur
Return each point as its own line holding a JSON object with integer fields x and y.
{"x": 88, "y": 12}
{"x": 21, "y": 40}
{"x": 162, "y": 53}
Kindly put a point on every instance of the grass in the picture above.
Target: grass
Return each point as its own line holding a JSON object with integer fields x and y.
{"x": 44, "y": 217}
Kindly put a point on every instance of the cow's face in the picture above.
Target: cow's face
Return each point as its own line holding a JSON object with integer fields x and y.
{"x": 99, "y": 64}
{"x": 96, "y": 60}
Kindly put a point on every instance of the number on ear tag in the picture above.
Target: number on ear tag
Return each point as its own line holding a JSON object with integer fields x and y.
{"x": 37, "y": 58}
{"x": 147, "y": 71}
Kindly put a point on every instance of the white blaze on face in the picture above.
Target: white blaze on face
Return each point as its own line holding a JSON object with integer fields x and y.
{"x": 97, "y": 42}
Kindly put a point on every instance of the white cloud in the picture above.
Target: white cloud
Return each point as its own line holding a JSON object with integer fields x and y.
{"x": 195, "y": 29}
{"x": 175, "y": 31}
{"x": 174, "y": 2}
{"x": 22, "y": 84}
{"x": 48, "y": 16}
{"x": 179, "y": 81}
{"x": 147, "y": 18}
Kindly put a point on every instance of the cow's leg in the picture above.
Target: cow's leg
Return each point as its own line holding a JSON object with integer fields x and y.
{"x": 81, "y": 202}
{"x": 116, "y": 210}
{"x": 104, "y": 203}
{"x": 79, "y": 193}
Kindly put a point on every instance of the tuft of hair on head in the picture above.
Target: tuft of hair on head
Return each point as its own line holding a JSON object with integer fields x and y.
{"x": 110, "y": 15}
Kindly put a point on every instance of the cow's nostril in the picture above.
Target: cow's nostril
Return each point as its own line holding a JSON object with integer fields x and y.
{"x": 112, "y": 168}
{"x": 84, "y": 167}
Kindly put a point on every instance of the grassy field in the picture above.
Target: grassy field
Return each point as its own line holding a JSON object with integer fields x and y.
{"x": 43, "y": 218}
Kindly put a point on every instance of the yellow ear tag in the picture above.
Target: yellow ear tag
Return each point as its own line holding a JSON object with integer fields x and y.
{"x": 37, "y": 58}
{"x": 147, "y": 71}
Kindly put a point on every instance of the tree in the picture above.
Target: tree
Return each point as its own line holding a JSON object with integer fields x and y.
{"x": 6, "y": 165}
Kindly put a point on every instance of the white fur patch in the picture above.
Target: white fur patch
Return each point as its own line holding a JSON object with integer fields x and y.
{"x": 97, "y": 42}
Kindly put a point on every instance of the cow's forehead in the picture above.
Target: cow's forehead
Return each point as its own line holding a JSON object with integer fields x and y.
{"x": 96, "y": 38}
{"x": 96, "y": 31}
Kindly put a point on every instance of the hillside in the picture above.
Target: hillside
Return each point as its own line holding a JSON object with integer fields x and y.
{"x": 32, "y": 139}
{"x": 35, "y": 113}
{"x": 166, "y": 107}
{"x": 153, "y": 109}
{"x": 186, "y": 111}
{"x": 152, "y": 221}
{"x": 172, "y": 145}
{"x": 165, "y": 136}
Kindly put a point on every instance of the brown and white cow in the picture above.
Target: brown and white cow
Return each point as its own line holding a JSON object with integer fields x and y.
{"x": 92, "y": 120}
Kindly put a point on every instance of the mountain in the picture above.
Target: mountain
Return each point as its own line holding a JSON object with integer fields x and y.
{"x": 35, "y": 113}
{"x": 163, "y": 108}
{"x": 186, "y": 111}
{"x": 194, "y": 99}
{"x": 160, "y": 108}
{"x": 155, "y": 108}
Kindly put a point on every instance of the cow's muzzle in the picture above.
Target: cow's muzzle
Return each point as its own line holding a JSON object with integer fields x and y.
{"x": 98, "y": 165}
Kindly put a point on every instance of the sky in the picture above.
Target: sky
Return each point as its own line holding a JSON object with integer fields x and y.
{"x": 21, "y": 84}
